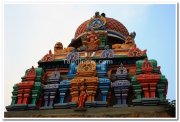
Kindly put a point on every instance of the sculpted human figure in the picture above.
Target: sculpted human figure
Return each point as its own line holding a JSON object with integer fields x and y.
{"x": 92, "y": 41}
{"x": 72, "y": 69}
{"x": 129, "y": 43}
{"x": 82, "y": 95}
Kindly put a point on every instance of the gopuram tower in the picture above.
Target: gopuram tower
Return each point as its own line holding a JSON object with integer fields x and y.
{"x": 101, "y": 67}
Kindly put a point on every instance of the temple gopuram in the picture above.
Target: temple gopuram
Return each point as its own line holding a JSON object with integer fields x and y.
{"x": 101, "y": 67}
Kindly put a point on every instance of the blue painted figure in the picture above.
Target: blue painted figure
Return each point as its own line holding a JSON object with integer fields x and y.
{"x": 107, "y": 53}
{"x": 102, "y": 68}
{"x": 65, "y": 86}
{"x": 72, "y": 70}
{"x": 104, "y": 82}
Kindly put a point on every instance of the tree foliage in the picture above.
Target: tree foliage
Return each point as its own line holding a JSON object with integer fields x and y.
{"x": 171, "y": 108}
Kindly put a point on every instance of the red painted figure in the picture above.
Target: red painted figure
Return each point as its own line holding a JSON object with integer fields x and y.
{"x": 25, "y": 87}
{"x": 148, "y": 80}
{"x": 82, "y": 95}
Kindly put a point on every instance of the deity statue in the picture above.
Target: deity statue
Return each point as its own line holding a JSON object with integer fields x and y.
{"x": 129, "y": 43}
{"x": 107, "y": 53}
{"x": 58, "y": 49}
{"x": 82, "y": 95}
{"x": 72, "y": 56}
{"x": 147, "y": 67}
{"x": 72, "y": 70}
{"x": 92, "y": 41}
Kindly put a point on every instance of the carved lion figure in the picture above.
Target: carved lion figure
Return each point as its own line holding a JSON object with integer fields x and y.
{"x": 129, "y": 44}
{"x": 58, "y": 48}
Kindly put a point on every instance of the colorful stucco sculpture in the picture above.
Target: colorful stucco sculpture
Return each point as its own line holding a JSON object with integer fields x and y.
{"x": 101, "y": 67}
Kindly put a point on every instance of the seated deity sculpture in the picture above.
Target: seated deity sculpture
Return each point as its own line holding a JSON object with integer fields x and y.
{"x": 55, "y": 76}
{"x": 58, "y": 49}
{"x": 129, "y": 43}
{"x": 107, "y": 53}
{"x": 92, "y": 42}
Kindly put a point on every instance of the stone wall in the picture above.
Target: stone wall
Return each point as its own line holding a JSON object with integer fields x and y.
{"x": 119, "y": 112}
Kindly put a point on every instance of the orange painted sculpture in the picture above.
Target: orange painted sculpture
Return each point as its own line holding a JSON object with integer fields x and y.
{"x": 148, "y": 83}
{"x": 92, "y": 41}
{"x": 86, "y": 69}
{"x": 58, "y": 49}
{"x": 86, "y": 72}
{"x": 48, "y": 57}
{"x": 129, "y": 43}
{"x": 87, "y": 66}
{"x": 25, "y": 87}
{"x": 82, "y": 95}
{"x": 148, "y": 79}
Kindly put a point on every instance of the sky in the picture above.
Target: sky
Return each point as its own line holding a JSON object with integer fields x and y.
{"x": 31, "y": 30}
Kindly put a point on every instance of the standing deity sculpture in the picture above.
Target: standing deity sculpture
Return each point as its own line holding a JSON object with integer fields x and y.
{"x": 82, "y": 95}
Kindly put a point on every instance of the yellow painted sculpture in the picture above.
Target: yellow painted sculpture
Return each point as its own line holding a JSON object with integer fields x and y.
{"x": 92, "y": 41}
{"x": 58, "y": 49}
{"x": 86, "y": 69}
{"x": 86, "y": 73}
{"x": 129, "y": 44}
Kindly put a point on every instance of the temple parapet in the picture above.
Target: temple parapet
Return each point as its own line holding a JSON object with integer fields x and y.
{"x": 51, "y": 90}
{"x": 149, "y": 84}
{"x": 28, "y": 93}
{"x": 121, "y": 86}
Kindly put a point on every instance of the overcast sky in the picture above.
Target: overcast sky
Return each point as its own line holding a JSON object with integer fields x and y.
{"x": 31, "y": 30}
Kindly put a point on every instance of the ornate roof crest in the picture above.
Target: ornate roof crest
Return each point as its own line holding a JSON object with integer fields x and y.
{"x": 48, "y": 57}
{"x": 30, "y": 74}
